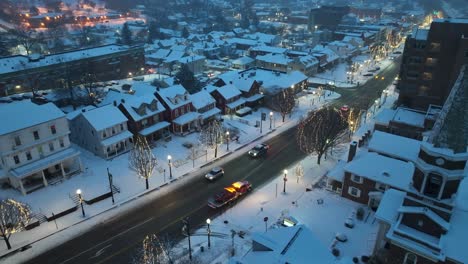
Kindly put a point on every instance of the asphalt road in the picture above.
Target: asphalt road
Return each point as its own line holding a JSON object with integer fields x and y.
{"x": 116, "y": 240}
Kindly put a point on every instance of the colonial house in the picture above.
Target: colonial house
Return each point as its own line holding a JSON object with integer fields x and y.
{"x": 179, "y": 110}
{"x": 35, "y": 148}
{"x": 103, "y": 131}
{"x": 205, "y": 105}
{"x": 243, "y": 63}
{"x": 274, "y": 62}
{"x": 145, "y": 116}
{"x": 228, "y": 99}
{"x": 246, "y": 83}
{"x": 306, "y": 64}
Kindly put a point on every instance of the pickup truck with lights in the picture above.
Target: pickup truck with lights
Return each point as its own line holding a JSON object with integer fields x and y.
{"x": 229, "y": 194}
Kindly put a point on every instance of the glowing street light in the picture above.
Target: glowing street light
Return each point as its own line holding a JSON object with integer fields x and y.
{"x": 227, "y": 140}
{"x": 208, "y": 222}
{"x": 271, "y": 118}
{"x": 78, "y": 192}
{"x": 169, "y": 158}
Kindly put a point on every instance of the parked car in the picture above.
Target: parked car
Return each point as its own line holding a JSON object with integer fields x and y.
{"x": 259, "y": 150}
{"x": 349, "y": 223}
{"x": 367, "y": 74}
{"x": 341, "y": 237}
{"x": 214, "y": 174}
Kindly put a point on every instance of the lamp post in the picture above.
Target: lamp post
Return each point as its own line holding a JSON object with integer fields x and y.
{"x": 169, "y": 158}
{"x": 227, "y": 140}
{"x": 271, "y": 118}
{"x": 109, "y": 176}
{"x": 187, "y": 230}
{"x": 81, "y": 201}
{"x": 351, "y": 128}
{"x": 375, "y": 105}
{"x": 208, "y": 222}
{"x": 285, "y": 179}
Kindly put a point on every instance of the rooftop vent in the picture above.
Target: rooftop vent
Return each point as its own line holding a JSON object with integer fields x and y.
{"x": 386, "y": 174}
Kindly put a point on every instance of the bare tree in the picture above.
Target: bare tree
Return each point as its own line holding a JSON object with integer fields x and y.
{"x": 320, "y": 131}
{"x": 194, "y": 153}
{"x": 88, "y": 82}
{"x": 212, "y": 135}
{"x": 14, "y": 216}
{"x": 156, "y": 250}
{"x": 26, "y": 38}
{"x": 142, "y": 160}
{"x": 285, "y": 102}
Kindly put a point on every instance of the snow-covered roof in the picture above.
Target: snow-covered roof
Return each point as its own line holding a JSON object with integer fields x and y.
{"x": 388, "y": 206}
{"x": 116, "y": 138}
{"x": 295, "y": 244}
{"x": 132, "y": 103}
{"x": 174, "y": 96}
{"x": 73, "y": 114}
{"x": 269, "y": 49}
{"x": 378, "y": 168}
{"x": 20, "y": 115}
{"x": 228, "y": 91}
{"x": 202, "y": 99}
{"x": 451, "y": 20}
{"x": 384, "y": 116}
{"x": 245, "y": 60}
{"x": 274, "y": 58}
{"x": 242, "y": 41}
{"x": 420, "y": 34}
{"x": 395, "y": 146}
{"x": 265, "y": 38}
{"x": 337, "y": 172}
{"x": 186, "y": 118}
{"x": 104, "y": 117}
{"x": 409, "y": 116}
{"x": 188, "y": 59}
{"x": 19, "y": 62}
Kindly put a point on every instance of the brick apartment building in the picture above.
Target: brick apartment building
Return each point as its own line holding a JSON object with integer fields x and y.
{"x": 432, "y": 60}
{"x": 19, "y": 73}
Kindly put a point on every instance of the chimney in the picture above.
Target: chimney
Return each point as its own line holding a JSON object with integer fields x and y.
{"x": 352, "y": 150}
{"x": 83, "y": 110}
{"x": 115, "y": 103}
{"x": 122, "y": 100}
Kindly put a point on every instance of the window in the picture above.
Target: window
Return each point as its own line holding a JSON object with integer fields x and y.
{"x": 144, "y": 122}
{"x": 356, "y": 179}
{"x": 156, "y": 119}
{"x": 51, "y": 146}
{"x": 420, "y": 223}
{"x": 182, "y": 110}
{"x": 104, "y": 134}
{"x": 16, "y": 158}
{"x": 121, "y": 127}
{"x": 62, "y": 144}
{"x": 427, "y": 76}
{"x": 53, "y": 130}
{"x": 380, "y": 187}
{"x": 410, "y": 258}
{"x": 113, "y": 131}
{"x": 17, "y": 141}
{"x": 36, "y": 135}
{"x": 28, "y": 155}
{"x": 354, "y": 192}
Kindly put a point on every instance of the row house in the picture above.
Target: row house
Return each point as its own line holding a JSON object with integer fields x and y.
{"x": 306, "y": 64}
{"x": 205, "y": 105}
{"x": 35, "y": 146}
{"x": 103, "y": 131}
{"x": 179, "y": 111}
{"x": 274, "y": 62}
{"x": 145, "y": 116}
{"x": 20, "y": 73}
{"x": 247, "y": 85}
{"x": 264, "y": 50}
{"x": 343, "y": 49}
{"x": 195, "y": 63}
{"x": 228, "y": 99}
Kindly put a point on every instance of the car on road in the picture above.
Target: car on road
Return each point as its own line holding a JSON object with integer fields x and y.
{"x": 229, "y": 194}
{"x": 367, "y": 74}
{"x": 259, "y": 150}
{"x": 214, "y": 174}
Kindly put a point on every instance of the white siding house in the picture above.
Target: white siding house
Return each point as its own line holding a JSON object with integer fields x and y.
{"x": 34, "y": 146}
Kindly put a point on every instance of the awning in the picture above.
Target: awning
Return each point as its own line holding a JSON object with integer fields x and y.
{"x": 116, "y": 139}
{"x": 235, "y": 104}
{"x": 186, "y": 118}
{"x": 156, "y": 127}
{"x": 44, "y": 163}
{"x": 254, "y": 98}
{"x": 210, "y": 113}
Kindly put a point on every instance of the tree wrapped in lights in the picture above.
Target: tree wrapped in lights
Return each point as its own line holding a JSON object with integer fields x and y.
{"x": 14, "y": 216}
{"x": 212, "y": 135}
{"x": 320, "y": 131}
{"x": 155, "y": 250}
{"x": 284, "y": 102}
{"x": 142, "y": 160}
{"x": 299, "y": 171}
{"x": 353, "y": 117}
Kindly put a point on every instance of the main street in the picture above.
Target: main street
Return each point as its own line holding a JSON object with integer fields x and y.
{"x": 117, "y": 240}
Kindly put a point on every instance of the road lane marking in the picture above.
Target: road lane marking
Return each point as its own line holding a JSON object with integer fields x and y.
{"x": 99, "y": 252}
{"x": 109, "y": 239}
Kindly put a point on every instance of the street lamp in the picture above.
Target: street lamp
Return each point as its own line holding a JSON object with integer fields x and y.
{"x": 271, "y": 118}
{"x": 208, "y": 222}
{"x": 109, "y": 176}
{"x": 78, "y": 192}
{"x": 351, "y": 128}
{"x": 375, "y": 105}
{"x": 169, "y": 158}
{"x": 227, "y": 140}
{"x": 285, "y": 179}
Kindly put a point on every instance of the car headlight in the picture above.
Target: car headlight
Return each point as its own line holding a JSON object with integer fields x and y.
{"x": 255, "y": 154}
